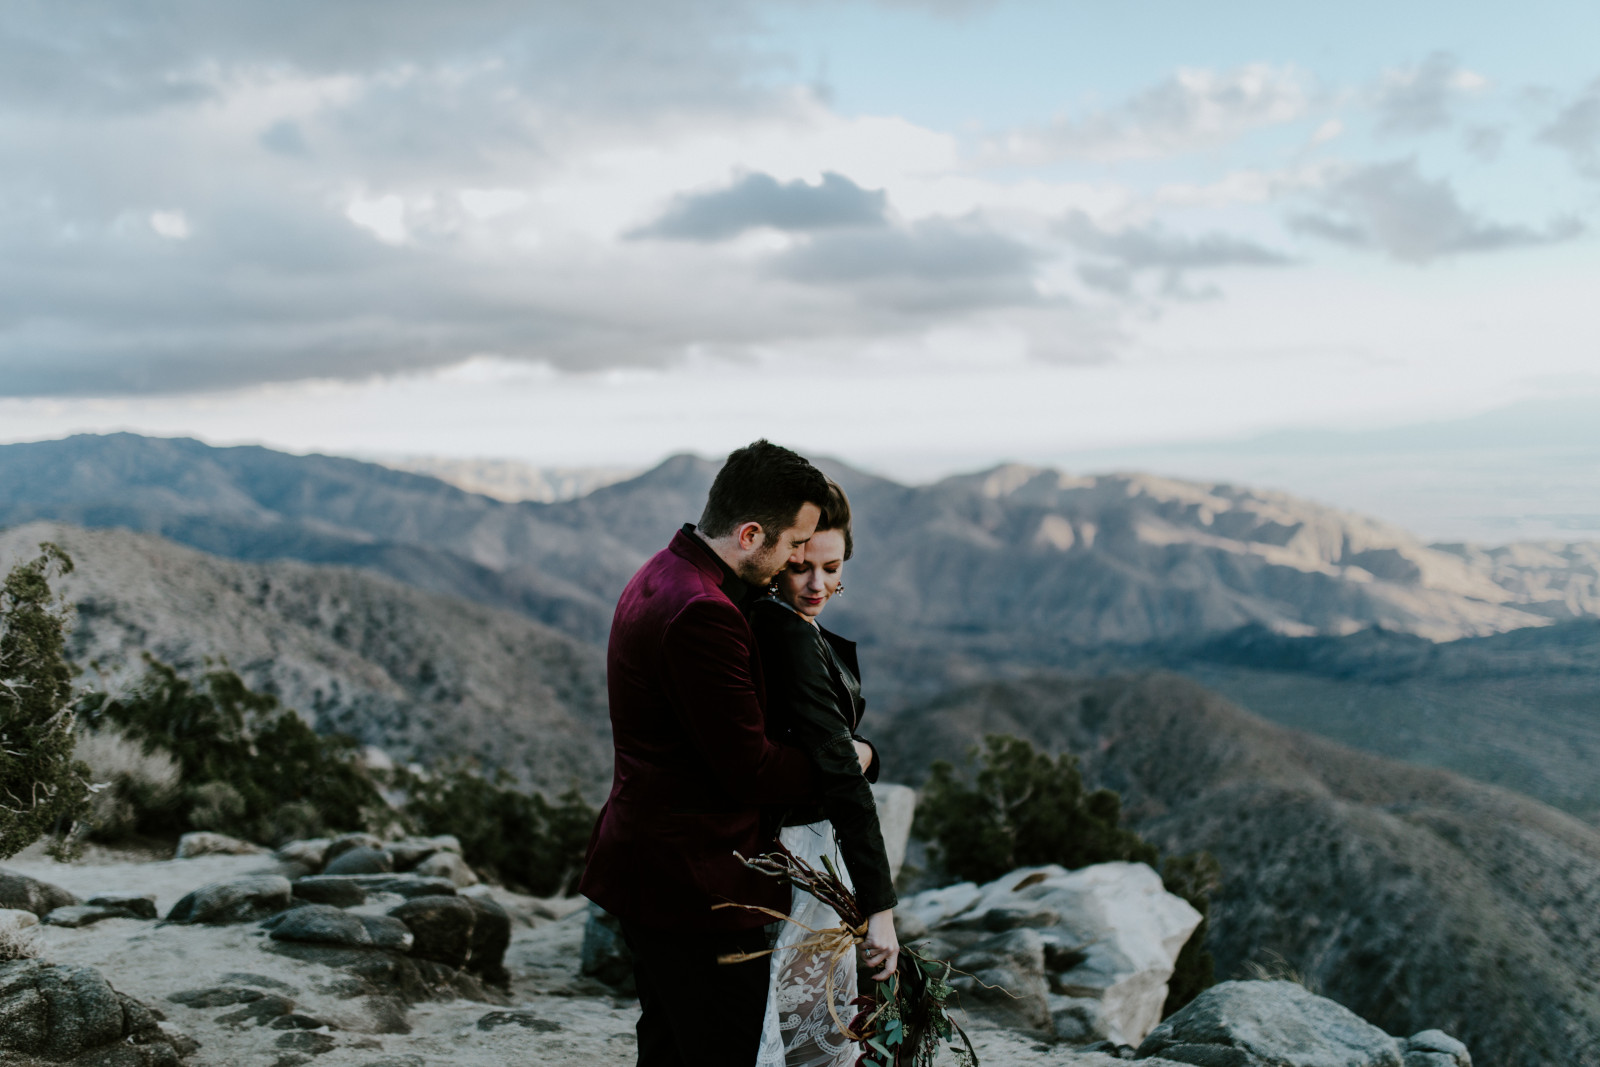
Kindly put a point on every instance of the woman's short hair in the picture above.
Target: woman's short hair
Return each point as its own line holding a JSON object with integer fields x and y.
{"x": 836, "y": 516}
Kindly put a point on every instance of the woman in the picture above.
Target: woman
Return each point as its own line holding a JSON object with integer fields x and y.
{"x": 814, "y": 702}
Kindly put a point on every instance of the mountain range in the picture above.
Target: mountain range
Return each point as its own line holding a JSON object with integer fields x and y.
{"x": 441, "y": 624}
{"x": 1407, "y": 894}
{"x": 424, "y": 677}
{"x": 1110, "y": 559}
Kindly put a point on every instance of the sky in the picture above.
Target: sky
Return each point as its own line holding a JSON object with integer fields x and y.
{"x": 921, "y": 235}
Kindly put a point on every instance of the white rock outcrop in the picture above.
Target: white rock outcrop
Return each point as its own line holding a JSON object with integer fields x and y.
{"x": 897, "y": 805}
{"x": 1085, "y": 953}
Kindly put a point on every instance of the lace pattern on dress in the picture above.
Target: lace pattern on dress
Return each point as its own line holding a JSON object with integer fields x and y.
{"x": 799, "y": 1030}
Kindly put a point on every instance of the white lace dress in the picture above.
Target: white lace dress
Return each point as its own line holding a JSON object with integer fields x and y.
{"x": 799, "y": 1030}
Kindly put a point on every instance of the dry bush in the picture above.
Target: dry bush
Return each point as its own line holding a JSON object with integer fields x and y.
{"x": 134, "y": 781}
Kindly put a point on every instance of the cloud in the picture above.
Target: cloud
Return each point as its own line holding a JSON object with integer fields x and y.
{"x": 1423, "y": 98}
{"x": 957, "y": 264}
{"x": 1576, "y": 131}
{"x": 758, "y": 200}
{"x": 1391, "y": 207}
{"x": 1194, "y": 109}
{"x": 1121, "y": 255}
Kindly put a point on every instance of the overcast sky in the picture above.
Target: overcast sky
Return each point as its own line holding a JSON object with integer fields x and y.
{"x": 919, "y": 235}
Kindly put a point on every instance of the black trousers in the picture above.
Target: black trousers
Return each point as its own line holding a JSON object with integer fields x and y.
{"x": 694, "y": 1011}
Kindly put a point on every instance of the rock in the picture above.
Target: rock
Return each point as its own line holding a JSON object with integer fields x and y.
{"x": 896, "y": 804}
{"x": 360, "y": 860}
{"x": 58, "y": 1012}
{"x": 240, "y": 900}
{"x": 605, "y": 956}
{"x": 322, "y": 924}
{"x": 76, "y": 915}
{"x": 402, "y": 885}
{"x": 308, "y": 1041}
{"x": 1007, "y": 971}
{"x": 345, "y": 842}
{"x": 260, "y": 981}
{"x": 491, "y": 936}
{"x": 139, "y": 905}
{"x": 442, "y": 927}
{"x": 447, "y": 865}
{"x": 337, "y": 890}
{"x": 525, "y": 1019}
{"x": 1108, "y": 937}
{"x": 936, "y": 906}
{"x": 206, "y": 843}
{"x": 1435, "y": 1048}
{"x": 18, "y": 892}
{"x": 405, "y": 885}
{"x": 410, "y": 851}
{"x": 311, "y": 853}
{"x": 13, "y": 919}
{"x": 296, "y": 1021}
{"x": 261, "y": 1010}
{"x": 1265, "y": 1024}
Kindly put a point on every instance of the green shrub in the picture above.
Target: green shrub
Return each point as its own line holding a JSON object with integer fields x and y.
{"x": 42, "y": 787}
{"x": 521, "y": 839}
{"x": 249, "y": 766}
{"x": 133, "y": 781}
{"x": 1023, "y": 809}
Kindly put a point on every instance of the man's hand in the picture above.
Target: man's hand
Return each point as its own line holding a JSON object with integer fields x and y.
{"x": 883, "y": 945}
{"x": 863, "y": 755}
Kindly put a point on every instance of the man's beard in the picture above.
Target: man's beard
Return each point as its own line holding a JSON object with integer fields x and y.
{"x": 760, "y": 570}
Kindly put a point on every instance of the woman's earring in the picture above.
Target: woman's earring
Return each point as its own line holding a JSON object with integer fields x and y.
{"x": 772, "y": 588}
{"x": 839, "y": 591}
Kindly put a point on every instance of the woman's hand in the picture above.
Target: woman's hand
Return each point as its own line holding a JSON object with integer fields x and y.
{"x": 883, "y": 946}
{"x": 863, "y": 755}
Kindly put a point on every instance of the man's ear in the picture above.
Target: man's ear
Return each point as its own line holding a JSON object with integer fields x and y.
{"x": 751, "y": 536}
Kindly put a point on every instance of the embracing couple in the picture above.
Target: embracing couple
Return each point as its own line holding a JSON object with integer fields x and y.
{"x": 734, "y": 717}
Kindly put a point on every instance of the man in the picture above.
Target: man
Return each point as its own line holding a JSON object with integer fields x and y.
{"x": 694, "y": 765}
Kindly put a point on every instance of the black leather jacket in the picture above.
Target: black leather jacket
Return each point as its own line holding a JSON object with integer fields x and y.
{"x": 814, "y": 704}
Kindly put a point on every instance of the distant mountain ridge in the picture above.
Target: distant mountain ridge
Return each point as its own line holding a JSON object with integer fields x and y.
{"x": 1406, "y": 894}
{"x": 422, "y": 676}
{"x": 1109, "y": 559}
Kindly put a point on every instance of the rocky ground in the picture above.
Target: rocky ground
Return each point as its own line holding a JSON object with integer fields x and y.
{"x": 231, "y": 988}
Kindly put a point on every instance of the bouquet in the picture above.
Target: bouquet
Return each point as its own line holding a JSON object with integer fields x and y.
{"x": 903, "y": 1021}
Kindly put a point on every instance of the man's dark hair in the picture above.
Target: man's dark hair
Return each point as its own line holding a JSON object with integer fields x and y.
{"x": 836, "y": 516}
{"x": 765, "y": 483}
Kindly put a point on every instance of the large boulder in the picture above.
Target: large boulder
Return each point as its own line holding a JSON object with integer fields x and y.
{"x": 206, "y": 843}
{"x": 18, "y": 891}
{"x": 57, "y": 1012}
{"x": 1270, "y": 1024}
{"x": 1105, "y": 941}
{"x": 240, "y": 900}
{"x": 323, "y": 924}
{"x": 896, "y": 804}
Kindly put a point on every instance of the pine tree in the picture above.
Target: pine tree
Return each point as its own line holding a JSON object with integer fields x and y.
{"x": 42, "y": 788}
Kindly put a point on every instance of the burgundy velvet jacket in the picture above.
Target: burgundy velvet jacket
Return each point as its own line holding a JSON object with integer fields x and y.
{"x": 693, "y": 762}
